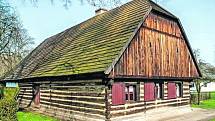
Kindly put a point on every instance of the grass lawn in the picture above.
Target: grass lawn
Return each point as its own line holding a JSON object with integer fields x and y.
{"x": 207, "y": 104}
{"x": 29, "y": 116}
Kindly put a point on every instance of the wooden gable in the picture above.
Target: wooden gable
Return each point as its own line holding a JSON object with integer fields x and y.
{"x": 159, "y": 49}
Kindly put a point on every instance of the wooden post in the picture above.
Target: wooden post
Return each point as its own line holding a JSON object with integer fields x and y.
{"x": 107, "y": 104}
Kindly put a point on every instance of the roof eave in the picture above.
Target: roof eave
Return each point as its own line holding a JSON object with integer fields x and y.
{"x": 99, "y": 74}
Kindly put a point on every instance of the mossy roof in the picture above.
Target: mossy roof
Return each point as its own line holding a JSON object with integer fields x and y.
{"x": 88, "y": 47}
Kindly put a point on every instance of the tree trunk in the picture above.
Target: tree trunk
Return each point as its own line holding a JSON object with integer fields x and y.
{"x": 198, "y": 99}
{"x": 198, "y": 91}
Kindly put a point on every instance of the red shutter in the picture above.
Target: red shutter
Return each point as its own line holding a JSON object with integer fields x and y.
{"x": 171, "y": 90}
{"x": 149, "y": 91}
{"x": 118, "y": 93}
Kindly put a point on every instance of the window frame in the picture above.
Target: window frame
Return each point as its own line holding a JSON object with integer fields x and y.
{"x": 180, "y": 85}
{"x": 129, "y": 94}
{"x": 160, "y": 90}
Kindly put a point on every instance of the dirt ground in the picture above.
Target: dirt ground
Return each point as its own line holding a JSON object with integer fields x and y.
{"x": 184, "y": 113}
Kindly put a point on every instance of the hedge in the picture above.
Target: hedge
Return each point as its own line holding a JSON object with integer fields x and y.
{"x": 8, "y": 109}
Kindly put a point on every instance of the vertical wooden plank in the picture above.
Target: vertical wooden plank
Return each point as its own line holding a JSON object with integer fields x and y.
{"x": 157, "y": 50}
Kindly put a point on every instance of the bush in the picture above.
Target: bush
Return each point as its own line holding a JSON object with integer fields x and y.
{"x": 8, "y": 109}
{"x": 9, "y": 105}
{"x": 11, "y": 92}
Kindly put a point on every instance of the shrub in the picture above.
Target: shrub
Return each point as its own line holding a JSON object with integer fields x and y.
{"x": 9, "y": 105}
{"x": 8, "y": 109}
{"x": 11, "y": 92}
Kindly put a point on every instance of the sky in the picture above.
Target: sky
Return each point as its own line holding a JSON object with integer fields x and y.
{"x": 46, "y": 19}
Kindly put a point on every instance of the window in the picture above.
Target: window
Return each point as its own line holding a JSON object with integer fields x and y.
{"x": 122, "y": 93}
{"x": 179, "y": 90}
{"x": 159, "y": 90}
{"x": 130, "y": 93}
{"x": 36, "y": 94}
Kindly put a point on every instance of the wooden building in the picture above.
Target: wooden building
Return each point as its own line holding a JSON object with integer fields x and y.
{"x": 123, "y": 61}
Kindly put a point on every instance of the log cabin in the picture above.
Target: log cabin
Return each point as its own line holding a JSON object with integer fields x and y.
{"x": 127, "y": 60}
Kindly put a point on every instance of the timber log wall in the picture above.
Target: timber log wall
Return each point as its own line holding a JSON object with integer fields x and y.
{"x": 141, "y": 105}
{"x": 68, "y": 100}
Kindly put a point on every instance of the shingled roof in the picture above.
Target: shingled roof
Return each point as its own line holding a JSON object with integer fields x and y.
{"x": 90, "y": 46}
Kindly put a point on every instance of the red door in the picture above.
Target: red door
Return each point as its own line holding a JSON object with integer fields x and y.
{"x": 149, "y": 91}
{"x": 36, "y": 95}
{"x": 171, "y": 90}
{"x": 118, "y": 93}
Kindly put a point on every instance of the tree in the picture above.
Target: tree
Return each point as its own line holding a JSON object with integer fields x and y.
{"x": 97, "y": 3}
{"x": 208, "y": 74}
{"x": 14, "y": 39}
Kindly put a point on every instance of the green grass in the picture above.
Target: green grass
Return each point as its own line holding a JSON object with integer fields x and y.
{"x": 207, "y": 104}
{"x": 29, "y": 116}
{"x": 212, "y": 120}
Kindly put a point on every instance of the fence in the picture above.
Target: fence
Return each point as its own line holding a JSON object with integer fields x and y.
{"x": 203, "y": 96}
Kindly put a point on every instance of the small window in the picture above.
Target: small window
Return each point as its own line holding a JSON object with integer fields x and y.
{"x": 177, "y": 50}
{"x": 150, "y": 44}
{"x": 36, "y": 94}
{"x": 179, "y": 89}
{"x": 130, "y": 93}
{"x": 158, "y": 90}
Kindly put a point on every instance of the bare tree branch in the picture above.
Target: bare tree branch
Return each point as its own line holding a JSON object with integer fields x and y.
{"x": 14, "y": 40}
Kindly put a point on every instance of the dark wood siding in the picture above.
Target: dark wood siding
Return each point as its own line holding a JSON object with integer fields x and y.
{"x": 158, "y": 50}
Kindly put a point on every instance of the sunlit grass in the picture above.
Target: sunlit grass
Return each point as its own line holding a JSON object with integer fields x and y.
{"x": 207, "y": 104}
{"x": 29, "y": 116}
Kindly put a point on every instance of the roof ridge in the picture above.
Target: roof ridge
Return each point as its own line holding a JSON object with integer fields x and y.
{"x": 153, "y": 4}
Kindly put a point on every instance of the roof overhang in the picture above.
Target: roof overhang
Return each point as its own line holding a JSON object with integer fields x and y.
{"x": 93, "y": 75}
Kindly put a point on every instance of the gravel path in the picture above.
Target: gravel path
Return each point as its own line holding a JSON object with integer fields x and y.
{"x": 195, "y": 115}
{"x": 184, "y": 113}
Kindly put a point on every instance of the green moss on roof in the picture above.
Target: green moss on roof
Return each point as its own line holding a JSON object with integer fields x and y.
{"x": 90, "y": 46}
